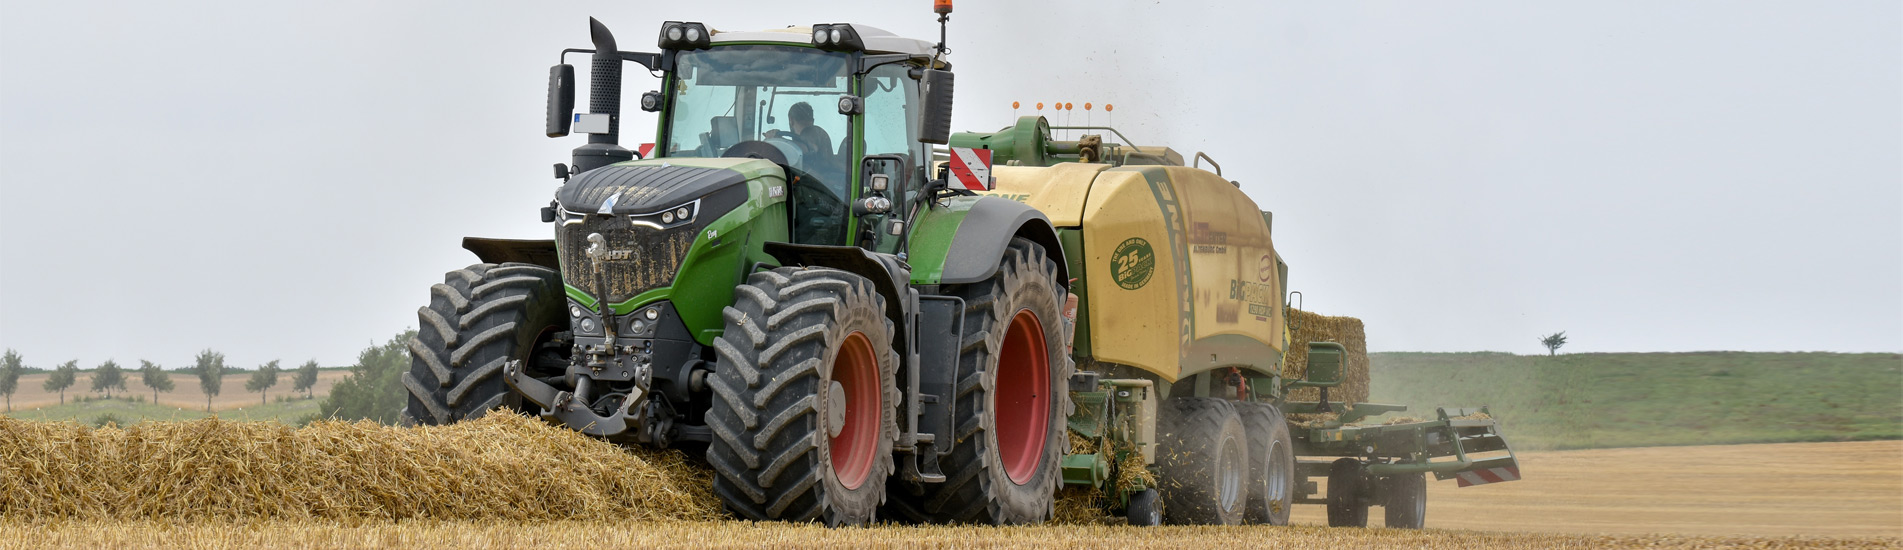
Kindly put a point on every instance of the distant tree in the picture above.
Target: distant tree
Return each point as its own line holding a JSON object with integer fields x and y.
{"x": 10, "y": 366}
{"x": 306, "y": 378}
{"x": 1553, "y": 342}
{"x": 62, "y": 378}
{"x": 109, "y": 377}
{"x": 262, "y": 380}
{"x": 210, "y": 366}
{"x": 374, "y": 389}
{"x": 155, "y": 377}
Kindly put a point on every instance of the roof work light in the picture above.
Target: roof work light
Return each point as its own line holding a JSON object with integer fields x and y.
{"x": 677, "y": 35}
{"x": 837, "y": 37}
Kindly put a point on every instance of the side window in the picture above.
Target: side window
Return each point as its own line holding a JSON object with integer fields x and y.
{"x": 891, "y": 123}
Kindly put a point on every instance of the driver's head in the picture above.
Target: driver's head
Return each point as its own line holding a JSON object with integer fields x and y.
{"x": 801, "y": 115}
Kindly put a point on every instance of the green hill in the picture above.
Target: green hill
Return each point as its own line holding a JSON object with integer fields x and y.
{"x": 1650, "y": 399}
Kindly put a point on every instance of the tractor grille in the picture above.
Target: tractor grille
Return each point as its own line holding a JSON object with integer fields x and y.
{"x": 656, "y": 257}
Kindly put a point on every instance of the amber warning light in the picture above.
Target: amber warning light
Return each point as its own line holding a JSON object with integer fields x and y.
{"x": 941, "y": 6}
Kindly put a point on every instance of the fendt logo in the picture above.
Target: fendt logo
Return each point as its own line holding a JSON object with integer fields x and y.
{"x": 1132, "y": 263}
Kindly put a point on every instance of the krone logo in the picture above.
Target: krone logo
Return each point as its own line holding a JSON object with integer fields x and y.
{"x": 1132, "y": 263}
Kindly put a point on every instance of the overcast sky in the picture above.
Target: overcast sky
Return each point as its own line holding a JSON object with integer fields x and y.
{"x": 284, "y": 180}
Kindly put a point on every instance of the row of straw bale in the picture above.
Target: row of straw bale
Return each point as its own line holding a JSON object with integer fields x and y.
{"x": 1305, "y": 327}
{"x": 502, "y": 466}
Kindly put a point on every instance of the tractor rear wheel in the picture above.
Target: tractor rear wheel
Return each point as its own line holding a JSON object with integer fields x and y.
{"x": 805, "y": 396}
{"x": 479, "y": 318}
{"x": 1271, "y": 464}
{"x": 1348, "y": 486}
{"x": 1011, "y": 401}
{"x": 1406, "y": 504}
{"x": 1204, "y": 462}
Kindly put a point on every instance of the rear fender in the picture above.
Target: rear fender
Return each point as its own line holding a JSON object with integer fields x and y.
{"x": 960, "y": 240}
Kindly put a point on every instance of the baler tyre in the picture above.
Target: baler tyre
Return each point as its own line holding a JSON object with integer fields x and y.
{"x": 805, "y": 398}
{"x": 1011, "y": 401}
{"x": 478, "y": 319}
{"x": 1271, "y": 464}
{"x": 1347, "y": 490}
{"x": 1204, "y": 462}
{"x": 1406, "y": 505}
{"x": 1143, "y": 510}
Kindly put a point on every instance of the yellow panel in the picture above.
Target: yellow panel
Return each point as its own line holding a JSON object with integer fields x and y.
{"x": 1058, "y": 191}
{"x": 1236, "y": 280}
{"x": 1130, "y": 268}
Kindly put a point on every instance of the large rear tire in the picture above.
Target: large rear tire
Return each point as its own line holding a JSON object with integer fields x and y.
{"x": 805, "y": 396}
{"x": 1271, "y": 464}
{"x": 479, "y": 318}
{"x": 1204, "y": 462}
{"x": 1012, "y": 399}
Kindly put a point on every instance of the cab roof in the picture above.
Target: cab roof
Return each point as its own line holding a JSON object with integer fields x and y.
{"x": 877, "y": 40}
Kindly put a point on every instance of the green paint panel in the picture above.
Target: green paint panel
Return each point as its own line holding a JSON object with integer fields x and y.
{"x": 1072, "y": 239}
{"x": 931, "y": 238}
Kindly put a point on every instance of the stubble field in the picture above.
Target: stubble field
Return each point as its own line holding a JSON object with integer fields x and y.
{"x": 264, "y": 485}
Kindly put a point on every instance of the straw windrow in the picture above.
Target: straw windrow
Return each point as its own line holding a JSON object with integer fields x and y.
{"x": 501, "y": 466}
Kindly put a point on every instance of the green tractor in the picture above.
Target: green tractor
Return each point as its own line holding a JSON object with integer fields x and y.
{"x": 784, "y": 281}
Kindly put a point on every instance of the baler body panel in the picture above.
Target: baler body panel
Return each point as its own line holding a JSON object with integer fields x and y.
{"x": 1179, "y": 271}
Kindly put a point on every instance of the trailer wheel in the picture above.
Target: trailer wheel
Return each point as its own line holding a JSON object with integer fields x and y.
{"x": 1143, "y": 511}
{"x": 805, "y": 396}
{"x": 1204, "y": 462}
{"x": 1011, "y": 401}
{"x": 1347, "y": 494}
{"x": 1406, "y": 505}
{"x": 1271, "y": 464}
{"x": 479, "y": 318}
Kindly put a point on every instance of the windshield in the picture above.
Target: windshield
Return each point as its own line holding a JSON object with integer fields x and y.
{"x": 786, "y": 96}
{"x": 779, "y": 103}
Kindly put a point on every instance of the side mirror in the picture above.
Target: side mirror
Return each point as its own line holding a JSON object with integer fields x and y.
{"x": 1324, "y": 364}
{"x": 935, "y": 87}
{"x": 561, "y": 99}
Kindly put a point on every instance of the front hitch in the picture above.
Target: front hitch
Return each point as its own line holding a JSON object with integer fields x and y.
{"x": 562, "y": 405}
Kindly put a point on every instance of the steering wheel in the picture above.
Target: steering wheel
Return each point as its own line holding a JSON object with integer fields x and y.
{"x": 777, "y": 150}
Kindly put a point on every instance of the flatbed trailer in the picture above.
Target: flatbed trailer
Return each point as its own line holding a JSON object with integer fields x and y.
{"x": 1366, "y": 461}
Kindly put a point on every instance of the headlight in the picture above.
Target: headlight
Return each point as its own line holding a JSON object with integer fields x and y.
{"x": 833, "y": 36}
{"x": 674, "y": 32}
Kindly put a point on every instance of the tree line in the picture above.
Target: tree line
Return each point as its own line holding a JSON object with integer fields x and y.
{"x": 209, "y": 367}
{"x": 373, "y": 390}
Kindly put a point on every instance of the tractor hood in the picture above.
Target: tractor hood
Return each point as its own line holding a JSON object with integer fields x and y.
{"x": 647, "y": 215}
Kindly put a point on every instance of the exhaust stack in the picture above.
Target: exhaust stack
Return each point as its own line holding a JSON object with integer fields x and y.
{"x": 604, "y": 98}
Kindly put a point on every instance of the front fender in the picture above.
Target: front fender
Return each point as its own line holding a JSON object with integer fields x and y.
{"x": 960, "y": 239}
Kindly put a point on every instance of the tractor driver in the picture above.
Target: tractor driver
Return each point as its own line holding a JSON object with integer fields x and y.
{"x": 813, "y": 141}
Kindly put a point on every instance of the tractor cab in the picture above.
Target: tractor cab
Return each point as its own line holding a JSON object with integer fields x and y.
{"x": 832, "y": 104}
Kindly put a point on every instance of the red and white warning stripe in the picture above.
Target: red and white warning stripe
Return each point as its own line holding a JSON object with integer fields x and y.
{"x": 1484, "y": 476}
{"x": 970, "y": 169}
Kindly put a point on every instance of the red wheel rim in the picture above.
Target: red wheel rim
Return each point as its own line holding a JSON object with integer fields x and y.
{"x": 1021, "y": 397}
{"x": 856, "y": 371}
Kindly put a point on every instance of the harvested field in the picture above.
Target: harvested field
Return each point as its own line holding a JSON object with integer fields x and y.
{"x": 497, "y": 534}
{"x": 510, "y": 482}
{"x": 1779, "y": 489}
{"x": 1305, "y": 327}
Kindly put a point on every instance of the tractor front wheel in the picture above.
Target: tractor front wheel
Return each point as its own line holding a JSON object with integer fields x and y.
{"x": 478, "y": 319}
{"x": 805, "y": 396}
